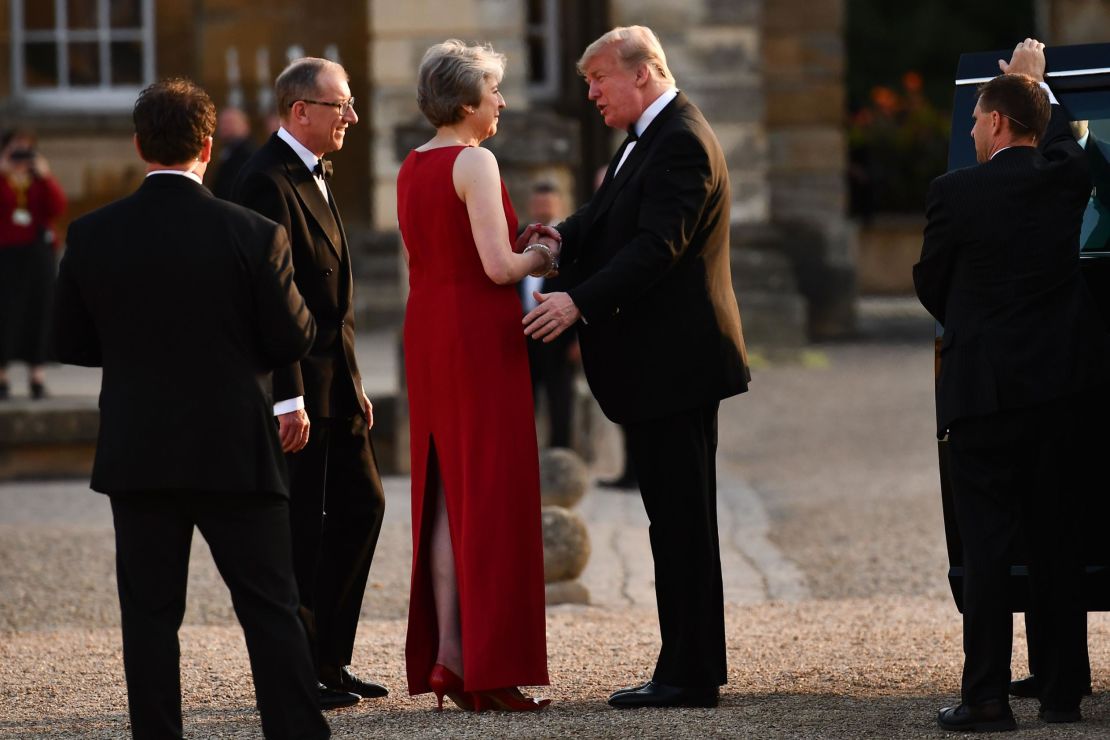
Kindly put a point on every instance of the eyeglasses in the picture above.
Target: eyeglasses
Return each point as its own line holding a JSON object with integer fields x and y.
{"x": 344, "y": 108}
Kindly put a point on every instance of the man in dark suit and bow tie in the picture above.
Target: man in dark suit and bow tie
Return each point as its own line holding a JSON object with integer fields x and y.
{"x": 651, "y": 297}
{"x": 1023, "y": 348}
{"x": 188, "y": 303}
{"x": 337, "y": 503}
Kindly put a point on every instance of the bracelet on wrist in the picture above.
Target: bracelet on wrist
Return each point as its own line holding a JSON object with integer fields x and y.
{"x": 550, "y": 264}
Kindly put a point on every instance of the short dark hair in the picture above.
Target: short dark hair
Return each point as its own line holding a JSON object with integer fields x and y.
{"x": 172, "y": 120}
{"x": 1021, "y": 99}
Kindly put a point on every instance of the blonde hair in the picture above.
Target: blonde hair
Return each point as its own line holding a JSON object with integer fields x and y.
{"x": 452, "y": 75}
{"x": 634, "y": 45}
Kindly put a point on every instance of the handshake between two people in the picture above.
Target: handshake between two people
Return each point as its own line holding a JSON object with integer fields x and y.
{"x": 554, "y": 312}
{"x": 547, "y": 241}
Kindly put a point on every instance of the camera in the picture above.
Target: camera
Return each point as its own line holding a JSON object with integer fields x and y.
{"x": 21, "y": 155}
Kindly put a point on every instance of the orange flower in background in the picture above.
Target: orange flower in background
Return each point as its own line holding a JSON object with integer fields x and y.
{"x": 912, "y": 82}
{"x": 885, "y": 99}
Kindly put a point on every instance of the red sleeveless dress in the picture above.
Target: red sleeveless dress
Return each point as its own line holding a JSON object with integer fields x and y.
{"x": 470, "y": 397}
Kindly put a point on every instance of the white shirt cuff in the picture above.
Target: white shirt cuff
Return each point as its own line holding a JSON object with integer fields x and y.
{"x": 1051, "y": 98}
{"x": 289, "y": 405}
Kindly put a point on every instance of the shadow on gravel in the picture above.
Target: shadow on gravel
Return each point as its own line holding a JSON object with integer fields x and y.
{"x": 739, "y": 715}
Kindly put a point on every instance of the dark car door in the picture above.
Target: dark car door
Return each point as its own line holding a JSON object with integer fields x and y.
{"x": 1080, "y": 79}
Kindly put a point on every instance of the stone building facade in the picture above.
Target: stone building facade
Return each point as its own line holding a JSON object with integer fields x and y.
{"x": 768, "y": 76}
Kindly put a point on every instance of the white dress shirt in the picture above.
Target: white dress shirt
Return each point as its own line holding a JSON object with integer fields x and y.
{"x": 186, "y": 173}
{"x": 310, "y": 160}
{"x": 645, "y": 120}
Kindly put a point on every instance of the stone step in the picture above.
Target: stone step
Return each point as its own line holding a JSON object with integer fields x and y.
{"x": 56, "y": 438}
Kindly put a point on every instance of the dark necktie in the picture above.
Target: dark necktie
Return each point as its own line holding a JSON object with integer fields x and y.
{"x": 322, "y": 169}
{"x": 632, "y": 135}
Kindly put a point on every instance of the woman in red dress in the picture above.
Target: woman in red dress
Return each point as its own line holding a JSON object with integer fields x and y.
{"x": 477, "y": 625}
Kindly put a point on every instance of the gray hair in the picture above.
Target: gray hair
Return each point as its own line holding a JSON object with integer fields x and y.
{"x": 298, "y": 81}
{"x": 452, "y": 75}
{"x": 634, "y": 45}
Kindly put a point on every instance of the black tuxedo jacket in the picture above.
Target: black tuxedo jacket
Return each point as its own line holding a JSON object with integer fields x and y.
{"x": 649, "y": 265}
{"x": 276, "y": 183}
{"x": 188, "y": 303}
{"x": 999, "y": 270}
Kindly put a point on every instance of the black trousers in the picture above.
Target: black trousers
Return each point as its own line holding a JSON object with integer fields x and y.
{"x": 336, "y": 510}
{"x": 27, "y": 275}
{"x": 554, "y": 374}
{"x": 1012, "y": 477}
{"x": 675, "y": 458}
{"x": 249, "y": 537}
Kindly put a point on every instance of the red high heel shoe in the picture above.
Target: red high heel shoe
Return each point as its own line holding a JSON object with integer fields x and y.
{"x": 444, "y": 682}
{"x": 507, "y": 700}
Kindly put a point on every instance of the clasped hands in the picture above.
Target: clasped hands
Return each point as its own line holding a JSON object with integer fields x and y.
{"x": 555, "y": 312}
{"x": 546, "y": 236}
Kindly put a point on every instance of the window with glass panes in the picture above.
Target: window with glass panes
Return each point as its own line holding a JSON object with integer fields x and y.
{"x": 81, "y": 53}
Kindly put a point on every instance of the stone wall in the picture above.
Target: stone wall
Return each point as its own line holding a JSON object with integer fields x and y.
{"x": 713, "y": 50}
{"x": 400, "y": 33}
{"x": 1074, "y": 21}
{"x": 803, "y": 78}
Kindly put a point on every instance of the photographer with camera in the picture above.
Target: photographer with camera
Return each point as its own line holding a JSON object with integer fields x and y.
{"x": 30, "y": 200}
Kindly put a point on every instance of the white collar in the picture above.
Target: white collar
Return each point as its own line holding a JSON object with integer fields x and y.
{"x": 653, "y": 110}
{"x": 187, "y": 173}
{"x": 306, "y": 156}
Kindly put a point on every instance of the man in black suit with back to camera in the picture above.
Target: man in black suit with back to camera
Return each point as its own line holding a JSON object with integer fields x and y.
{"x": 1023, "y": 347}
{"x": 647, "y": 261}
{"x": 337, "y": 502}
{"x": 188, "y": 303}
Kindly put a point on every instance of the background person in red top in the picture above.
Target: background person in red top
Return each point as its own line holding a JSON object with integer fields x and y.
{"x": 30, "y": 200}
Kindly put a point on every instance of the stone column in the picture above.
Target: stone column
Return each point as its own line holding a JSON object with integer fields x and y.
{"x": 803, "y": 76}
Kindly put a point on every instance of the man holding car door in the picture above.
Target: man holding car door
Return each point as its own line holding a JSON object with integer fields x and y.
{"x": 1023, "y": 344}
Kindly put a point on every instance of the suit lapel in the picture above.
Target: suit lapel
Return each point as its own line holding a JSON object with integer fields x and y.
{"x": 345, "y": 263}
{"x": 614, "y": 182}
{"x": 304, "y": 184}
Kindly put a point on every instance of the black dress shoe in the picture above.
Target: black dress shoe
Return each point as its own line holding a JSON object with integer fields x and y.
{"x": 1056, "y": 716}
{"x": 333, "y": 699}
{"x": 654, "y": 694}
{"x": 1030, "y": 688}
{"x": 992, "y": 717}
{"x": 342, "y": 679}
{"x": 624, "y": 483}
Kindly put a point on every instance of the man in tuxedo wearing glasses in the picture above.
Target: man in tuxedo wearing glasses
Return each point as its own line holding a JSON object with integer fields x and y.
{"x": 1023, "y": 347}
{"x": 647, "y": 261}
{"x": 188, "y": 303}
{"x": 337, "y": 502}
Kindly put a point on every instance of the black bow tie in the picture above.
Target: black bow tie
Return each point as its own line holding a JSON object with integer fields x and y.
{"x": 632, "y": 135}
{"x": 322, "y": 169}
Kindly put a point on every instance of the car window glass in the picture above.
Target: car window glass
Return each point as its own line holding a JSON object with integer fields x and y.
{"x": 1094, "y": 236}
